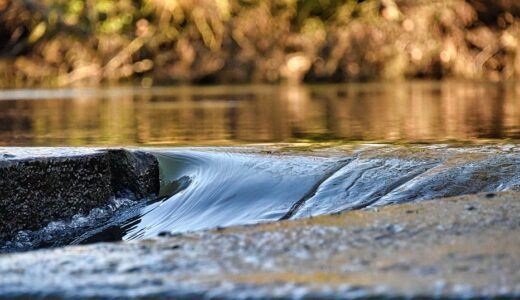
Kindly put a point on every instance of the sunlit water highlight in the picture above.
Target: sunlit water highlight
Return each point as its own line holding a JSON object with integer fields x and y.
{"x": 230, "y": 115}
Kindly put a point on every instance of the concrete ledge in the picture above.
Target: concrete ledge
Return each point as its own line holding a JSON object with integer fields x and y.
{"x": 455, "y": 248}
{"x": 38, "y": 186}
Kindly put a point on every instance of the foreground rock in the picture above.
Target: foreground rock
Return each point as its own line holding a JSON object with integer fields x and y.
{"x": 39, "y": 185}
{"x": 205, "y": 188}
{"x": 465, "y": 246}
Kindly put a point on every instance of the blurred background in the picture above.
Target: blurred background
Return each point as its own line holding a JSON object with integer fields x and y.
{"x": 157, "y": 42}
{"x": 226, "y": 72}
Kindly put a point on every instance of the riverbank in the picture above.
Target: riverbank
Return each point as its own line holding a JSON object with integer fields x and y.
{"x": 461, "y": 247}
{"x": 71, "y": 43}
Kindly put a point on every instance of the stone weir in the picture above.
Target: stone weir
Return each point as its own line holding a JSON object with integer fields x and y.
{"x": 40, "y": 185}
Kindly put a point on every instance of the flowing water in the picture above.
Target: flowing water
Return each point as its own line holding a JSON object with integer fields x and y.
{"x": 210, "y": 188}
{"x": 207, "y": 189}
{"x": 204, "y": 188}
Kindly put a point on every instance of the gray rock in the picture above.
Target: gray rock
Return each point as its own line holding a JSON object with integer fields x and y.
{"x": 442, "y": 250}
{"x": 39, "y": 186}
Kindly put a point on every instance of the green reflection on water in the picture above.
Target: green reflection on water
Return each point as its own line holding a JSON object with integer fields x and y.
{"x": 224, "y": 115}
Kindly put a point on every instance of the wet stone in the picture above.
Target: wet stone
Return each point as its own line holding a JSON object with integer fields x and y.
{"x": 470, "y": 207}
{"x": 327, "y": 257}
{"x": 40, "y": 185}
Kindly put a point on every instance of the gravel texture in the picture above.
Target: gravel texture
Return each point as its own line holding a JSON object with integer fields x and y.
{"x": 460, "y": 247}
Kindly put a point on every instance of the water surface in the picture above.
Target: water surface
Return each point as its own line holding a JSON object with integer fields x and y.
{"x": 211, "y": 188}
{"x": 228, "y": 115}
{"x": 205, "y": 188}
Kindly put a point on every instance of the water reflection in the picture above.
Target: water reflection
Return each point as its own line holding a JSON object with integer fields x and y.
{"x": 251, "y": 114}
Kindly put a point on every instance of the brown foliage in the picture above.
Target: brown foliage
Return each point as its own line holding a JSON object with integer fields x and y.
{"x": 86, "y": 42}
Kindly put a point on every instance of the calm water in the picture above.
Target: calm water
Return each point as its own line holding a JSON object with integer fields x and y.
{"x": 257, "y": 114}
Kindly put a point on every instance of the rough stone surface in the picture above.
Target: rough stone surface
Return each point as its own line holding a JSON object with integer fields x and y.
{"x": 133, "y": 171}
{"x": 38, "y": 186}
{"x": 461, "y": 247}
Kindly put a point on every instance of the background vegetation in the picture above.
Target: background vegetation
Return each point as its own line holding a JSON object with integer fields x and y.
{"x": 90, "y": 42}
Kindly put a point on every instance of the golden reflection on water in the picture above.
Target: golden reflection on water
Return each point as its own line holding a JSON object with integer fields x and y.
{"x": 399, "y": 112}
